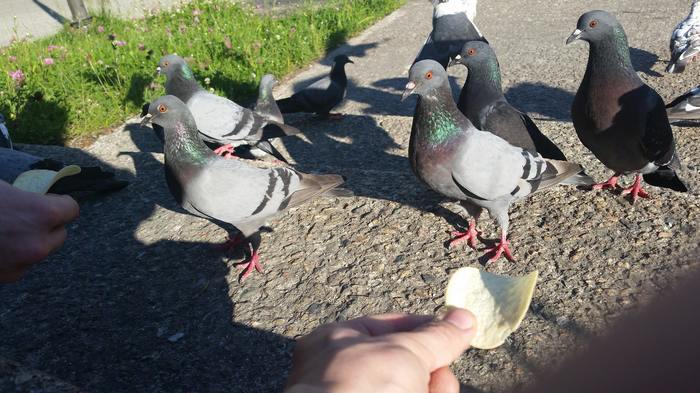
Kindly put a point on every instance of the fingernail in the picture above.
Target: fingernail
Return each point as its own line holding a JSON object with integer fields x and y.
{"x": 461, "y": 318}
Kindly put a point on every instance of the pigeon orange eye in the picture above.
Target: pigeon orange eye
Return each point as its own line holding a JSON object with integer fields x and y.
{"x": 162, "y": 108}
{"x": 593, "y": 23}
{"x": 429, "y": 75}
{"x": 471, "y": 52}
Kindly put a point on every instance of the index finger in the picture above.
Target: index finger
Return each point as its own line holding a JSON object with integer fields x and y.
{"x": 378, "y": 325}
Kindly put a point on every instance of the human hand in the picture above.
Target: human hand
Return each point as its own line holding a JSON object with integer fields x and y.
{"x": 31, "y": 228}
{"x": 382, "y": 353}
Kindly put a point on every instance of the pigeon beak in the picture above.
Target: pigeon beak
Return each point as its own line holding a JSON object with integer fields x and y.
{"x": 158, "y": 71}
{"x": 454, "y": 61}
{"x": 350, "y": 61}
{"x": 146, "y": 119}
{"x": 410, "y": 87}
{"x": 574, "y": 36}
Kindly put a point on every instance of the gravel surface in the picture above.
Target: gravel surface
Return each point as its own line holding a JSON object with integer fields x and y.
{"x": 139, "y": 300}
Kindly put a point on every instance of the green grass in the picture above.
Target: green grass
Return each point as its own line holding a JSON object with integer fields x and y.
{"x": 95, "y": 83}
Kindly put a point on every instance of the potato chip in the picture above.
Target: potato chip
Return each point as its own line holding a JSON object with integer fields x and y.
{"x": 40, "y": 180}
{"x": 499, "y": 303}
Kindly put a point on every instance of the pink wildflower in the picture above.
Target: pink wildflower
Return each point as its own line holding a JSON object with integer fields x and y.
{"x": 142, "y": 47}
{"x": 48, "y": 61}
{"x": 17, "y": 76}
{"x": 52, "y": 48}
{"x": 12, "y": 59}
{"x": 196, "y": 12}
{"x": 119, "y": 43}
{"x": 100, "y": 29}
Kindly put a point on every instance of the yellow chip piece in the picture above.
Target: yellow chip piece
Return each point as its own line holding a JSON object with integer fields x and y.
{"x": 499, "y": 303}
{"x": 40, "y": 180}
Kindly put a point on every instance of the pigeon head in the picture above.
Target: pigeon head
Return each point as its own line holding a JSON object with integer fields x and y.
{"x": 172, "y": 65}
{"x": 424, "y": 77}
{"x": 342, "y": 60}
{"x": 168, "y": 112}
{"x": 595, "y": 26}
{"x": 474, "y": 52}
{"x": 2, "y": 118}
{"x": 268, "y": 80}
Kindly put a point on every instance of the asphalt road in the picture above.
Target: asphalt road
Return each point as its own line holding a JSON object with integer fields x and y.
{"x": 106, "y": 312}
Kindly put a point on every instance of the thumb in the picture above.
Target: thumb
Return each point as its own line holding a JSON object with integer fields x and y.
{"x": 439, "y": 343}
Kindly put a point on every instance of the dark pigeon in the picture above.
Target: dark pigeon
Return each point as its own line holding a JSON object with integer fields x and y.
{"x": 617, "y": 116}
{"x": 229, "y": 192}
{"x": 321, "y": 96}
{"x": 476, "y": 167}
{"x": 266, "y": 106}
{"x": 685, "y": 107}
{"x": 483, "y": 103}
{"x": 453, "y": 27}
{"x": 219, "y": 120}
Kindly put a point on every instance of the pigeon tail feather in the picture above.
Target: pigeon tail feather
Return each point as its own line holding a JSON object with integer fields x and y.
{"x": 666, "y": 177}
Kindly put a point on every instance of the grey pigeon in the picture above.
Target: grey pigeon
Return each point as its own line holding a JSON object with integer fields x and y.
{"x": 229, "y": 192}
{"x": 476, "y": 167}
{"x": 90, "y": 180}
{"x": 685, "y": 40}
{"x": 5, "y": 140}
{"x": 685, "y": 107}
{"x": 321, "y": 96}
{"x": 483, "y": 103}
{"x": 219, "y": 119}
{"x": 266, "y": 104}
{"x": 618, "y": 117}
{"x": 453, "y": 26}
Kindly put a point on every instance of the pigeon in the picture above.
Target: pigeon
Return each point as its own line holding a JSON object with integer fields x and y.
{"x": 620, "y": 119}
{"x": 219, "y": 119}
{"x": 5, "y": 140}
{"x": 229, "y": 192}
{"x": 685, "y": 107}
{"x": 266, "y": 106}
{"x": 453, "y": 26}
{"x": 90, "y": 180}
{"x": 685, "y": 40}
{"x": 478, "y": 168}
{"x": 483, "y": 103}
{"x": 321, "y": 96}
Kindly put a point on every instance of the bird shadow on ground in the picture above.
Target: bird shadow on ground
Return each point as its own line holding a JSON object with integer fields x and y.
{"x": 119, "y": 308}
{"x": 643, "y": 61}
{"x": 549, "y": 101}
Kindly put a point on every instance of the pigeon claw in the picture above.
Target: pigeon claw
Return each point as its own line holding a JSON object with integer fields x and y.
{"x": 501, "y": 248}
{"x": 226, "y": 151}
{"x": 251, "y": 264}
{"x": 635, "y": 190}
{"x": 610, "y": 183}
{"x": 470, "y": 236}
{"x": 335, "y": 116}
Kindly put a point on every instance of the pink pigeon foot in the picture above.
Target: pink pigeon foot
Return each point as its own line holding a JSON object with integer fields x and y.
{"x": 500, "y": 248}
{"x": 635, "y": 190}
{"x": 226, "y": 151}
{"x": 611, "y": 183}
{"x": 335, "y": 116}
{"x": 470, "y": 236}
{"x": 253, "y": 263}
